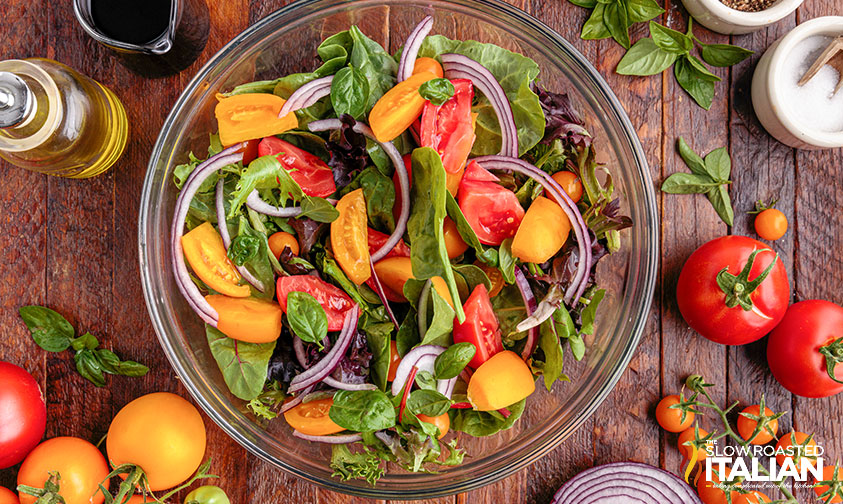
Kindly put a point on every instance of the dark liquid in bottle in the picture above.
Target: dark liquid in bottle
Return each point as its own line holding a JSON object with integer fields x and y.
{"x": 131, "y": 21}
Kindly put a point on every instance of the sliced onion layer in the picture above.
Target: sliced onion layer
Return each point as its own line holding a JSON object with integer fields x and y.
{"x": 457, "y": 66}
{"x": 226, "y": 238}
{"x": 334, "y": 439}
{"x": 411, "y": 48}
{"x": 627, "y": 482}
{"x": 255, "y": 202}
{"x": 339, "y": 384}
{"x": 382, "y": 295}
{"x": 329, "y": 362}
{"x": 307, "y": 95}
{"x": 530, "y": 305}
{"x": 411, "y": 360}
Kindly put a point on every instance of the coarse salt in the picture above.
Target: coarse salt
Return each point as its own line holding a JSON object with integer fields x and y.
{"x": 813, "y": 106}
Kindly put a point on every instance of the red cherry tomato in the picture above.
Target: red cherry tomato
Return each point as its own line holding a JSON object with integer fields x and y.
{"x": 707, "y": 299}
{"x": 333, "y": 299}
{"x": 23, "y": 414}
{"x": 448, "y": 128}
{"x": 8, "y": 497}
{"x": 795, "y": 353}
{"x": 492, "y": 211}
{"x": 480, "y": 328}
{"x": 314, "y": 176}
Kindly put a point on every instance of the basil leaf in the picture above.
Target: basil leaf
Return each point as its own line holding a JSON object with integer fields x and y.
{"x": 111, "y": 363}
{"x": 437, "y": 91}
{"x": 645, "y": 58}
{"x": 362, "y": 410}
{"x": 378, "y": 335}
{"x": 483, "y": 423}
{"x": 473, "y": 276}
{"x": 669, "y": 40}
{"x": 89, "y": 367}
{"x": 724, "y": 55}
{"x": 507, "y": 261}
{"x": 722, "y": 204}
{"x": 49, "y": 330}
{"x": 700, "y": 88}
{"x": 243, "y": 248}
{"x": 701, "y": 69}
{"x": 350, "y": 92}
{"x": 718, "y": 164}
{"x": 306, "y": 317}
{"x": 590, "y": 311}
{"x": 688, "y": 183}
{"x": 616, "y": 21}
{"x": 86, "y": 341}
{"x": 428, "y": 402}
{"x": 379, "y": 193}
{"x": 442, "y": 325}
{"x": 692, "y": 159}
{"x": 639, "y": 11}
{"x": 318, "y": 209}
{"x": 243, "y": 365}
{"x": 594, "y": 28}
{"x": 588, "y": 4}
{"x": 450, "y": 363}
{"x": 425, "y": 380}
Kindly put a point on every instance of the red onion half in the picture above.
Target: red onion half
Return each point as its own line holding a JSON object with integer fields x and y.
{"x": 226, "y": 238}
{"x": 307, "y": 94}
{"x": 334, "y": 439}
{"x": 626, "y": 483}
{"x": 530, "y": 305}
{"x": 329, "y": 362}
{"x": 411, "y": 48}
{"x": 457, "y": 66}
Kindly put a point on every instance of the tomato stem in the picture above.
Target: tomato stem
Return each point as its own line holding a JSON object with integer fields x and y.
{"x": 833, "y": 353}
{"x": 739, "y": 288}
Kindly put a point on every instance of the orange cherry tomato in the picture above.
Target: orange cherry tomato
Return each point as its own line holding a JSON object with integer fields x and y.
{"x": 442, "y": 422}
{"x": 8, "y": 497}
{"x": 542, "y": 232}
{"x": 394, "y": 272}
{"x": 247, "y": 319}
{"x": 79, "y": 463}
{"x": 454, "y": 243}
{"x": 394, "y": 360}
{"x": 499, "y": 382}
{"x": 349, "y": 238}
{"x": 281, "y": 240}
{"x": 139, "y": 499}
{"x": 670, "y": 419}
{"x": 251, "y": 115}
{"x": 828, "y": 475}
{"x": 396, "y": 110}
{"x": 786, "y": 448}
{"x": 311, "y": 418}
{"x": 687, "y": 450}
{"x": 495, "y": 276}
{"x": 746, "y": 426}
{"x": 753, "y": 497}
{"x": 205, "y": 252}
{"x": 161, "y": 433}
{"x": 710, "y": 494}
{"x": 428, "y": 65}
{"x": 771, "y": 224}
{"x": 570, "y": 183}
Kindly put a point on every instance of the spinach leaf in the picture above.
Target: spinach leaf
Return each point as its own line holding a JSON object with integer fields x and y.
{"x": 378, "y": 336}
{"x": 260, "y": 265}
{"x": 510, "y": 310}
{"x": 482, "y": 423}
{"x": 442, "y": 325}
{"x": 243, "y": 365}
{"x": 507, "y": 261}
{"x": 450, "y": 363}
{"x": 437, "y": 91}
{"x": 488, "y": 256}
{"x": 307, "y": 318}
{"x": 428, "y": 253}
{"x": 318, "y": 209}
{"x": 515, "y": 73}
{"x": 408, "y": 333}
{"x": 645, "y": 58}
{"x": 551, "y": 367}
{"x": 379, "y": 193}
{"x": 350, "y": 92}
{"x": 374, "y": 63}
{"x": 425, "y": 380}
{"x": 473, "y": 276}
{"x": 362, "y": 410}
{"x": 50, "y": 331}
{"x": 243, "y": 249}
{"x": 428, "y": 402}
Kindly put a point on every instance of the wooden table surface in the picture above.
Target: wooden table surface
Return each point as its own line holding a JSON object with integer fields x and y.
{"x": 72, "y": 245}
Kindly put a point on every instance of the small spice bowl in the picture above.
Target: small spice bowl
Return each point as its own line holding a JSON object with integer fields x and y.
{"x": 717, "y": 16}
{"x": 773, "y": 89}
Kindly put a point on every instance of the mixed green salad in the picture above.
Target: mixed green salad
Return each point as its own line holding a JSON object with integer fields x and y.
{"x": 394, "y": 247}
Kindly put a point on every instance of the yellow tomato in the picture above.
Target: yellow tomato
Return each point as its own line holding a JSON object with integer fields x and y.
{"x": 206, "y": 255}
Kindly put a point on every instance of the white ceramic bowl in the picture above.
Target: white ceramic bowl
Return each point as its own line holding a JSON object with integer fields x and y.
{"x": 715, "y": 16}
{"x": 767, "y": 96}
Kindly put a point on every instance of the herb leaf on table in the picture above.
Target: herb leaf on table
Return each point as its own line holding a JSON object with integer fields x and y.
{"x": 709, "y": 176}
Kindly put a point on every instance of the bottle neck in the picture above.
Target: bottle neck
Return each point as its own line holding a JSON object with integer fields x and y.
{"x": 30, "y": 105}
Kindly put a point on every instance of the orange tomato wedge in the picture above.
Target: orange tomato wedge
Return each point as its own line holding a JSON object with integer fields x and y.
{"x": 399, "y": 107}
{"x": 542, "y": 232}
{"x": 499, "y": 382}
{"x": 393, "y": 272}
{"x": 247, "y": 319}
{"x": 349, "y": 237}
{"x": 205, "y": 252}
{"x": 311, "y": 418}
{"x": 250, "y": 116}
{"x": 454, "y": 243}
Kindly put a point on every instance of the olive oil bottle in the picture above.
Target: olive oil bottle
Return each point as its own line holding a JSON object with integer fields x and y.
{"x": 57, "y": 121}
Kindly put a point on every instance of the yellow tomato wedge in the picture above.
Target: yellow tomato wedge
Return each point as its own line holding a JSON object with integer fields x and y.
{"x": 205, "y": 252}
{"x": 349, "y": 237}
{"x": 399, "y": 107}
{"x": 247, "y": 319}
{"x": 250, "y": 116}
{"x": 542, "y": 232}
{"x": 499, "y": 382}
{"x": 312, "y": 418}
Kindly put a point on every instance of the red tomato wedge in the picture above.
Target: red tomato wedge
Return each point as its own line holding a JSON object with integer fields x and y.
{"x": 332, "y": 298}
{"x": 492, "y": 211}
{"x": 377, "y": 239}
{"x": 448, "y": 128}
{"x": 314, "y": 176}
{"x": 480, "y": 328}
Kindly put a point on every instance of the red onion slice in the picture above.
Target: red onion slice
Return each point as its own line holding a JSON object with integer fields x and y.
{"x": 580, "y": 281}
{"x": 530, "y": 305}
{"x": 255, "y": 202}
{"x": 186, "y": 286}
{"x": 226, "y": 238}
{"x": 446, "y": 387}
{"x": 326, "y": 366}
{"x": 400, "y": 169}
{"x": 411, "y": 48}
{"x": 382, "y": 295}
{"x": 411, "y": 360}
{"x": 337, "y": 384}
{"x": 625, "y": 482}
{"x": 334, "y": 439}
{"x": 457, "y": 66}
{"x": 307, "y": 94}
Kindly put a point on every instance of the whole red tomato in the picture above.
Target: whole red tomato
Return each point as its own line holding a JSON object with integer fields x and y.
{"x": 806, "y": 349}
{"x": 23, "y": 414}
{"x": 731, "y": 291}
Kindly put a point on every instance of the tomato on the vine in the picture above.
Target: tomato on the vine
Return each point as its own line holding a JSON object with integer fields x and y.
{"x": 686, "y": 448}
{"x": 733, "y": 290}
{"x": 832, "y": 475}
{"x": 805, "y": 350}
{"x": 23, "y": 414}
{"x": 8, "y": 497}
{"x": 207, "y": 494}
{"x": 796, "y": 445}
{"x": 671, "y": 416}
{"x": 710, "y": 493}
{"x": 748, "y": 420}
{"x": 771, "y": 224}
{"x": 80, "y": 465}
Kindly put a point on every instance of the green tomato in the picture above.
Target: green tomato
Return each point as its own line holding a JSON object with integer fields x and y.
{"x": 208, "y": 494}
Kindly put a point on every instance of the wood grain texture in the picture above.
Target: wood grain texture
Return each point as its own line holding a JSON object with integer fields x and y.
{"x": 72, "y": 245}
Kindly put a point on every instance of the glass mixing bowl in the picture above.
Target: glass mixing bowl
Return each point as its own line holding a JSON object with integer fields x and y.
{"x": 285, "y": 42}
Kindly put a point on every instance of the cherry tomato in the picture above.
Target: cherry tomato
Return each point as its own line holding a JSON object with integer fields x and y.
{"x": 448, "y": 128}
{"x": 753, "y": 497}
{"x": 670, "y": 419}
{"x": 8, "y": 497}
{"x": 207, "y": 494}
{"x": 442, "y": 422}
{"x": 710, "y": 304}
{"x": 492, "y": 211}
{"x": 570, "y": 182}
{"x": 795, "y": 349}
{"x": 394, "y": 360}
{"x": 454, "y": 243}
{"x": 787, "y": 448}
{"x": 281, "y": 240}
{"x": 79, "y": 463}
{"x": 312, "y": 418}
{"x": 139, "y": 499}
{"x": 746, "y": 426}
{"x": 710, "y": 494}
{"x": 314, "y": 176}
{"x": 23, "y": 414}
{"x": 161, "y": 433}
{"x": 687, "y": 450}
{"x": 495, "y": 276}
{"x": 828, "y": 475}
{"x": 334, "y": 300}
{"x": 480, "y": 327}
{"x": 771, "y": 224}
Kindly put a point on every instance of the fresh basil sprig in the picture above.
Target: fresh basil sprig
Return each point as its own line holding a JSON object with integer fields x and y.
{"x": 54, "y": 333}
{"x": 437, "y": 91}
{"x": 307, "y": 318}
{"x": 350, "y": 92}
{"x": 612, "y": 18}
{"x": 452, "y": 361}
{"x": 709, "y": 176}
